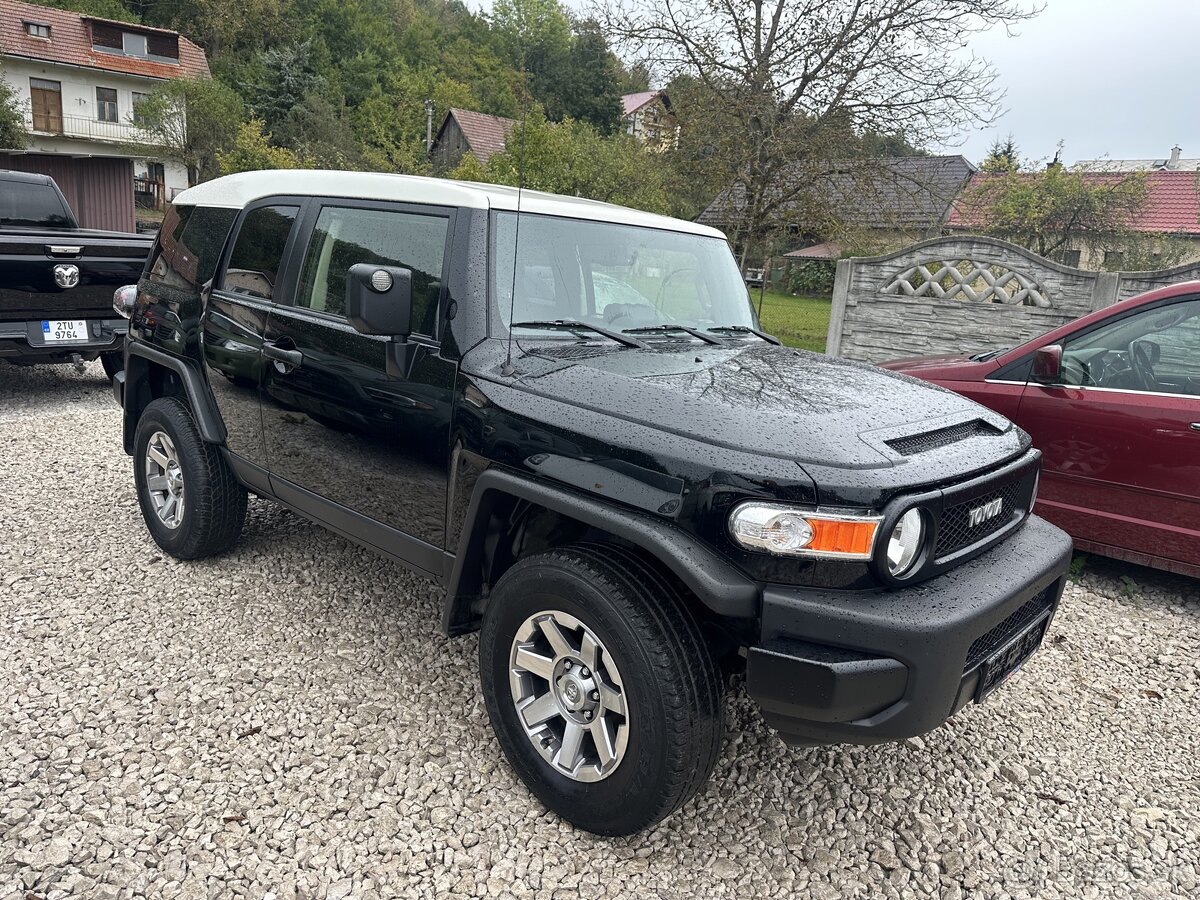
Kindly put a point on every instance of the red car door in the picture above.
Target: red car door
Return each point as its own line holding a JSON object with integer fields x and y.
{"x": 1120, "y": 436}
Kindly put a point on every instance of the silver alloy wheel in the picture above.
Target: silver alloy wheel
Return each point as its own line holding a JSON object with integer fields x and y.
{"x": 164, "y": 479}
{"x": 569, "y": 696}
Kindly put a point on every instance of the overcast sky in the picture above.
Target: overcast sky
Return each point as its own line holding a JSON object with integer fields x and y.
{"x": 1115, "y": 78}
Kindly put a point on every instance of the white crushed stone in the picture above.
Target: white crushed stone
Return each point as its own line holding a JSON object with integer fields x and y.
{"x": 288, "y": 722}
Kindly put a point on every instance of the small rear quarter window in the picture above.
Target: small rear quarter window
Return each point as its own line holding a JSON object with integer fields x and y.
{"x": 188, "y": 248}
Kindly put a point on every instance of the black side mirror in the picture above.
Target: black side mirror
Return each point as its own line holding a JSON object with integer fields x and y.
{"x": 379, "y": 300}
{"x": 1047, "y": 364}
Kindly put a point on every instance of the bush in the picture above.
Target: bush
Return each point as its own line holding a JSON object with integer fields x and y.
{"x": 812, "y": 278}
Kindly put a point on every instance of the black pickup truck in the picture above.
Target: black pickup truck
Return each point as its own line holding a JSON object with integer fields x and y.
{"x": 57, "y": 279}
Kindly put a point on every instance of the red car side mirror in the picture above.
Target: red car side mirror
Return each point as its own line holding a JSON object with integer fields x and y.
{"x": 1047, "y": 364}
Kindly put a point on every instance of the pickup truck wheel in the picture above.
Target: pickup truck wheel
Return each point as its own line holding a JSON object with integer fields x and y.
{"x": 191, "y": 501}
{"x": 602, "y": 692}
{"x": 113, "y": 363}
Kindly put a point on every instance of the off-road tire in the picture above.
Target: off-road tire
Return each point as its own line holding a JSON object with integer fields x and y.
{"x": 671, "y": 681}
{"x": 216, "y": 502}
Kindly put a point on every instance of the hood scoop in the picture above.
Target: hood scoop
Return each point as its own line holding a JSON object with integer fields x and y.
{"x": 912, "y": 444}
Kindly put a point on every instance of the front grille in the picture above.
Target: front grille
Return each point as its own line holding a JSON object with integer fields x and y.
{"x": 955, "y": 530}
{"x": 912, "y": 444}
{"x": 987, "y": 644}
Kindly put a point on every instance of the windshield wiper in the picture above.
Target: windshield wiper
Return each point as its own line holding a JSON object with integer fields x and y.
{"x": 573, "y": 325}
{"x": 987, "y": 354}
{"x": 746, "y": 329}
{"x": 667, "y": 329}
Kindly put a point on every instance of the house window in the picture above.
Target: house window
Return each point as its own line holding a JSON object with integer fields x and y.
{"x": 1113, "y": 258}
{"x": 138, "y": 99}
{"x": 37, "y": 30}
{"x": 1071, "y": 258}
{"x": 106, "y": 104}
{"x": 45, "y": 100}
{"x": 133, "y": 44}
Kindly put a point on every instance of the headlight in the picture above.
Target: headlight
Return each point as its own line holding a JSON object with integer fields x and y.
{"x": 904, "y": 545}
{"x": 798, "y": 532}
{"x": 124, "y": 299}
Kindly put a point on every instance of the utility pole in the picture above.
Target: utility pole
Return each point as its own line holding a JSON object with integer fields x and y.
{"x": 428, "y": 126}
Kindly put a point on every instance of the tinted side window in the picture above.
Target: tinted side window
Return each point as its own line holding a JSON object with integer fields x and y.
{"x": 344, "y": 237}
{"x": 188, "y": 247}
{"x": 258, "y": 251}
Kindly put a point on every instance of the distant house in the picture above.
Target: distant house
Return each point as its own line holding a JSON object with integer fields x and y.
{"x": 647, "y": 115}
{"x": 1172, "y": 163}
{"x": 80, "y": 79}
{"x": 1172, "y": 210}
{"x": 465, "y": 131}
{"x": 876, "y": 203}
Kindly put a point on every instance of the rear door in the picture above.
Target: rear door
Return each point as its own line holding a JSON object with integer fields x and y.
{"x": 253, "y": 281}
{"x": 1121, "y": 440}
{"x": 363, "y": 451}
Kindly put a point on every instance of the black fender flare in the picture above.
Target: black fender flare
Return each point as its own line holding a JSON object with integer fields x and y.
{"x": 200, "y": 399}
{"x": 716, "y": 583}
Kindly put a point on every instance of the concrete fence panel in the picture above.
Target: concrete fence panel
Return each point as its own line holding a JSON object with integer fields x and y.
{"x": 966, "y": 293}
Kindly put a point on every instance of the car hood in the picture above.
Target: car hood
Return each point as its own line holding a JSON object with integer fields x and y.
{"x": 758, "y": 398}
{"x": 956, "y": 367}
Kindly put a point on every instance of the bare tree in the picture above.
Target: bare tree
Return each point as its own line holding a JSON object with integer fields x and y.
{"x": 785, "y": 86}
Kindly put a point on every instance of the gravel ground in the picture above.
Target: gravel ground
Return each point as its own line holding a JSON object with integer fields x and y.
{"x": 287, "y": 721}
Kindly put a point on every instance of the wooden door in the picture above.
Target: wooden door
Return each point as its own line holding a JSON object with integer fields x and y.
{"x": 46, "y": 101}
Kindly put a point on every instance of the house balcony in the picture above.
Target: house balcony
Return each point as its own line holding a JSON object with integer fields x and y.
{"x": 85, "y": 128}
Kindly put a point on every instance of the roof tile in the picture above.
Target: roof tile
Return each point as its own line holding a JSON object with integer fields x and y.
{"x": 71, "y": 43}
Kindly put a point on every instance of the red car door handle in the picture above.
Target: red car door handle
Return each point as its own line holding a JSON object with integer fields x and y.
{"x": 1195, "y": 426}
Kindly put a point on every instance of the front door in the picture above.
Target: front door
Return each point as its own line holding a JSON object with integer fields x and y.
{"x": 362, "y": 450}
{"x": 45, "y": 101}
{"x": 235, "y": 318}
{"x": 1121, "y": 436}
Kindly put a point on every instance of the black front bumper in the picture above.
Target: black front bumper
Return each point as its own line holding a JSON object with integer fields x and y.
{"x": 863, "y": 668}
{"x": 23, "y": 341}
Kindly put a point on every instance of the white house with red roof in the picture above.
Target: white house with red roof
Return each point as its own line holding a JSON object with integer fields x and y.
{"x": 648, "y": 116}
{"x": 79, "y": 80}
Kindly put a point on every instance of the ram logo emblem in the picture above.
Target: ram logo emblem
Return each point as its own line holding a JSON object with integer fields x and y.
{"x": 989, "y": 510}
{"x": 66, "y": 275}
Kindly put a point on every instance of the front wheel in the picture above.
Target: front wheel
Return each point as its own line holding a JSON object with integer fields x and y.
{"x": 600, "y": 687}
{"x": 191, "y": 501}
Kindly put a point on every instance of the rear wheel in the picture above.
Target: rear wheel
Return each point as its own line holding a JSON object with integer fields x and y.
{"x": 113, "y": 363}
{"x": 191, "y": 501}
{"x": 601, "y": 689}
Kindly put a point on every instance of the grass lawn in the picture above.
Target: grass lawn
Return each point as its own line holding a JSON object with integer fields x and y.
{"x": 797, "y": 321}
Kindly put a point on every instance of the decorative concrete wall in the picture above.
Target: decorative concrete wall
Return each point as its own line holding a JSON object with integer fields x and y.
{"x": 967, "y": 293}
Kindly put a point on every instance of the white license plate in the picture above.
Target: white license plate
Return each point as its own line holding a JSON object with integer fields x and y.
{"x": 64, "y": 331}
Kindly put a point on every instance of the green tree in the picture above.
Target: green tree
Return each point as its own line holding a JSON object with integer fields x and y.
{"x": 289, "y": 75}
{"x": 12, "y": 118}
{"x": 252, "y": 150}
{"x": 575, "y": 159}
{"x": 1056, "y": 209}
{"x": 1003, "y": 156}
{"x": 193, "y": 120}
{"x": 589, "y": 84}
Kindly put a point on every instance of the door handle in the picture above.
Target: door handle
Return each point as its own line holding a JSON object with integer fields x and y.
{"x": 1195, "y": 426}
{"x": 292, "y": 358}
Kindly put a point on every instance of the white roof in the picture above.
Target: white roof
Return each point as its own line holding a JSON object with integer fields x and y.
{"x": 1137, "y": 165}
{"x": 236, "y": 191}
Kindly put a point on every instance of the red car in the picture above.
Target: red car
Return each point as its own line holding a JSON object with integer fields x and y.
{"x": 1113, "y": 402}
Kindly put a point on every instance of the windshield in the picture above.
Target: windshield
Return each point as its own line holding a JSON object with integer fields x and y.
{"x": 619, "y": 277}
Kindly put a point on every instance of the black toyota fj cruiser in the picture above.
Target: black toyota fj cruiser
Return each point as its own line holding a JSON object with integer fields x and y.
{"x": 567, "y": 414}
